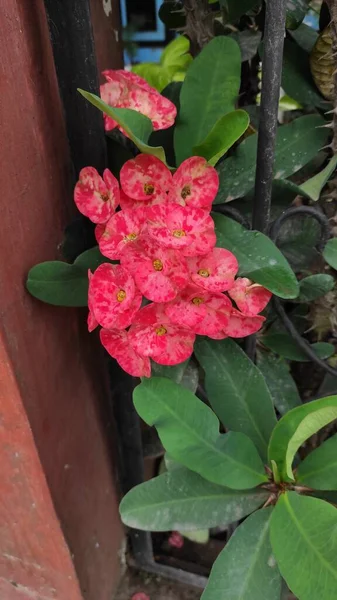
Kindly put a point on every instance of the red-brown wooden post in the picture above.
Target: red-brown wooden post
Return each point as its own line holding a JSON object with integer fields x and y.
{"x": 57, "y": 484}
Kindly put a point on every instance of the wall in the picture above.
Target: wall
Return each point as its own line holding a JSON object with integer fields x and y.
{"x": 52, "y": 386}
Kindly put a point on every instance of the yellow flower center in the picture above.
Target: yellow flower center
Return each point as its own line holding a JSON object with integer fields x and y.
{"x": 203, "y": 273}
{"x": 186, "y": 191}
{"x": 148, "y": 189}
{"x": 197, "y": 301}
{"x": 157, "y": 265}
{"x": 178, "y": 233}
{"x": 105, "y": 197}
{"x": 130, "y": 237}
{"x": 161, "y": 330}
{"x": 121, "y": 295}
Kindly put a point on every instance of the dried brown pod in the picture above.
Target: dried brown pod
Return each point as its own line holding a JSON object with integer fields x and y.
{"x": 322, "y": 63}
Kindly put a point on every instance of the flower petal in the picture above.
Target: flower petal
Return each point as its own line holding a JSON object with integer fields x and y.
{"x": 203, "y": 312}
{"x": 214, "y": 272}
{"x": 113, "y": 297}
{"x": 118, "y": 346}
{"x": 250, "y": 298}
{"x": 94, "y": 197}
{"x": 195, "y": 183}
{"x": 123, "y": 228}
{"x": 240, "y": 325}
{"x": 145, "y": 176}
{"x": 159, "y": 273}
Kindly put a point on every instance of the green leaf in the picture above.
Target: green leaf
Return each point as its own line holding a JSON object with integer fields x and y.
{"x": 284, "y": 345}
{"x": 295, "y": 428}
{"x": 296, "y": 144}
{"x": 137, "y": 126}
{"x": 156, "y": 75}
{"x": 182, "y": 500}
{"x": 173, "y": 52}
{"x": 297, "y": 80}
{"x": 259, "y": 259}
{"x": 245, "y": 569}
{"x": 248, "y": 41}
{"x": 314, "y": 186}
{"x": 330, "y": 253}
{"x": 186, "y": 373}
{"x": 236, "y": 390}
{"x": 209, "y": 91}
{"x": 226, "y": 131}
{"x": 59, "y": 283}
{"x": 189, "y": 432}
{"x": 319, "y": 469}
{"x": 91, "y": 259}
{"x": 234, "y": 9}
{"x": 281, "y": 385}
{"x": 296, "y": 11}
{"x": 297, "y": 241}
{"x": 304, "y": 542}
{"x": 200, "y": 536}
{"x": 315, "y": 286}
{"x": 305, "y": 36}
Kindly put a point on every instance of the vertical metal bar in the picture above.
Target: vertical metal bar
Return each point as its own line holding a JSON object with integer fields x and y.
{"x": 75, "y": 62}
{"x": 271, "y": 82}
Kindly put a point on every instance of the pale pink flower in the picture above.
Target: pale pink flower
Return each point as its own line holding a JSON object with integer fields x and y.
{"x": 146, "y": 178}
{"x": 95, "y": 197}
{"x": 152, "y": 334}
{"x": 127, "y": 90}
{"x": 195, "y": 183}
{"x": 160, "y": 273}
{"x": 203, "y": 312}
{"x": 214, "y": 272}
{"x": 124, "y": 227}
{"x": 117, "y": 344}
{"x": 190, "y": 230}
{"x": 113, "y": 297}
{"x": 240, "y": 325}
{"x": 250, "y": 298}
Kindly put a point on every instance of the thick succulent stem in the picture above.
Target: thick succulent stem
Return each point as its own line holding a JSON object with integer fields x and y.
{"x": 332, "y": 4}
{"x": 199, "y": 24}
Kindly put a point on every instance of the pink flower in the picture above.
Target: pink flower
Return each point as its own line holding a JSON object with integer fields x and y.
{"x": 95, "y": 197}
{"x": 182, "y": 227}
{"x": 113, "y": 298}
{"x": 176, "y": 540}
{"x": 92, "y": 321}
{"x": 127, "y": 90}
{"x": 123, "y": 228}
{"x": 146, "y": 178}
{"x": 195, "y": 183}
{"x": 214, "y": 272}
{"x": 140, "y": 596}
{"x": 240, "y": 325}
{"x": 250, "y": 298}
{"x": 117, "y": 344}
{"x": 160, "y": 273}
{"x": 152, "y": 334}
{"x": 203, "y": 312}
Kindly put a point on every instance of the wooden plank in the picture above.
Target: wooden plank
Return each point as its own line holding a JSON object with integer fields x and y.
{"x": 56, "y": 366}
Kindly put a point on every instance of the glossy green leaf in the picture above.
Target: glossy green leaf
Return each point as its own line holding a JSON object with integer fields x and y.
{"x": 137, "y": 126}
{"x": 284, "y": 345}
{"x": 236, "y": 390}
{"x": 209, "y": 91}
{"x": 186, "y": 373}
{"x": 226, "y": 131}
{"x": 173, "y": 52}
{"x": 315, "y": 286}
{"x": 259, "y": 259}
{"x": 330, "y": 253}
{"x": 199, "y": 536}
{"x": 182, "y": 500}
{"x": 246, "y": 569}
{"x": 56, "y": 282}
{"x": 295, "y": 428}
{"x": 91, "y": 259}
{"x": 305, "y": 36}
{"x": 304, "y": 541}
{"x": 296, "y": 144}
{"x": 280, "y": 383}
{"x": 296, "y": 11}
{"x": 319, "y": 468}
{"x": 297, "y": 80}
{"x": 313, "y": 187}
{"x": 189, "y": 432}
{"x": 156, "y": 75}
{"x": 248, "y": 41}
{"x": 234, "y": 9}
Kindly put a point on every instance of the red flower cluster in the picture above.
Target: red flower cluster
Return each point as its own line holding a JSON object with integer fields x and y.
{"x": 164, "y": 238}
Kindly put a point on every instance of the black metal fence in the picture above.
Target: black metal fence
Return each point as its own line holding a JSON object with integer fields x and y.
{"x": 74, "y": 55}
